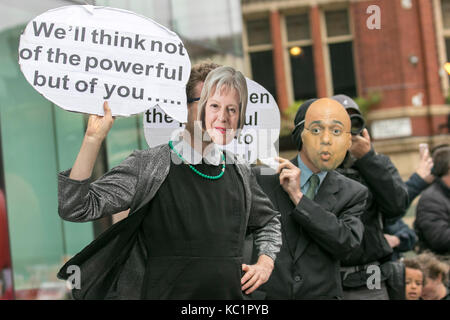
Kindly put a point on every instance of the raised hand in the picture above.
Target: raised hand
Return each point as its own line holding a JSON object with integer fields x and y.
{"x": 99, "y": 126}
{"x": 97, "y": 130}
{"x": 290, "y": 179}
{"x": 425, "y": 166}
{"x": 360, "y": 144}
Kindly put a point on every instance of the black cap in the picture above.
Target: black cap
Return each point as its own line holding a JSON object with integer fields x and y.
{"x": 299, "y": 123}
{"x": 347, "y": 102}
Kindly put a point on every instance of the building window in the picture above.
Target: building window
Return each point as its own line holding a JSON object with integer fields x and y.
{"x": 445, "y": 8}
{"x": 263, "y": 70}
{"x": 337, "y": 23}
{"x": 297, "y": 27}
{"x": 258, "y": 32}
{"x": 341, "y": 57}
{"x": 340, "y": 52}
{"x": 298, "y": 45}
{"x": 303, "y": 77}
{"x": 447, "y": 48}
{"x": 258, "y": 45}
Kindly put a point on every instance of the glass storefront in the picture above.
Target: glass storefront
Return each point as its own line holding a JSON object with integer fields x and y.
{"x": 39, "y": 139}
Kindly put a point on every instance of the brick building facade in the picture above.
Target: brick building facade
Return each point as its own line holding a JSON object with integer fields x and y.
{"x": 395, "y": 49}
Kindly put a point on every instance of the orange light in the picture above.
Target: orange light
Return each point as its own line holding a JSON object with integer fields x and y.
{"x": 295, "y": 51}
{"x": 447, "y": 67}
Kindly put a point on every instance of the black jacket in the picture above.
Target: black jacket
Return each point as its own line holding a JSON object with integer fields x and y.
{"x": 433, "y": 218}
{"x": 388, "y": 199}
{"x": 316, "y": 234}
{"x": 408, "y": 238}
{"x": 406, "y": 235}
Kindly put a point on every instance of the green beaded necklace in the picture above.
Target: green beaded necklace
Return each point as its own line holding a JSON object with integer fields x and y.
{"x": 195, "y": 170}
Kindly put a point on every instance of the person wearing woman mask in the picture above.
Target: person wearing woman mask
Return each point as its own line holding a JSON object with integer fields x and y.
{"x": 191, "y": 207}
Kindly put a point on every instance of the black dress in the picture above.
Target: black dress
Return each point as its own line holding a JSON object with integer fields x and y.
{"x": 194, "y": 231}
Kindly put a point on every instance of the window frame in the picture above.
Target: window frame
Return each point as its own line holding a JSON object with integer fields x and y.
{"x": 287, "y": 44}
{"x": 326, "y": 41}
{"x": 254, "y": 48}
{"x": 441, "y": 35}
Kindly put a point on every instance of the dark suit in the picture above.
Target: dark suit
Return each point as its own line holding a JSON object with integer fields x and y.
{"x": 316, "y": 235}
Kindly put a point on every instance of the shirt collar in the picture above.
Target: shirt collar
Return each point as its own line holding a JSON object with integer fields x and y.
{"x": 212, "y": 153}
{"x": 306, "y": 173}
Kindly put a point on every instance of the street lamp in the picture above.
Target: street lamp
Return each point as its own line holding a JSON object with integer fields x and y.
{"x": 295, "y": 51}
{"x": 447, "y": 67}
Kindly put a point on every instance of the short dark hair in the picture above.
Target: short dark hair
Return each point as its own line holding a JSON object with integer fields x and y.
{"x": 299, "y": 123}
{"x": 441, "y": 160}
{"x": 199, "y": 72}
{"x": 439, "y": 146}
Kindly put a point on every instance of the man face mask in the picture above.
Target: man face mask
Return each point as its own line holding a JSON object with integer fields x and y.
{"x": 326, "y": 136}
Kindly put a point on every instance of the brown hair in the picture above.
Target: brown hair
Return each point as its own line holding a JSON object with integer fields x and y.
{"x": 411, "y": 263}
{"x": 441, "y": 159}
{"x": 433, "y": 267}
{"x": 199, "y": 72}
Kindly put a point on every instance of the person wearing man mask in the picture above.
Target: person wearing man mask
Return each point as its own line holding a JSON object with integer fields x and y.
{"x": 319, "y": 207}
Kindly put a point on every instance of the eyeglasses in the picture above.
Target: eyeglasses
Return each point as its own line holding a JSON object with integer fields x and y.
{"x": 192, "y": 100}
{"x": 318, "y": 130}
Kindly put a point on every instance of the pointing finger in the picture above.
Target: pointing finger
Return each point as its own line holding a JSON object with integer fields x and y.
{"x": 285, "y": 165}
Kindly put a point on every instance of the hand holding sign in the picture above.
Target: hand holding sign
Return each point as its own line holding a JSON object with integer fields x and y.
{"x": 99, "y": 126}
{"x": 79, "y": 56}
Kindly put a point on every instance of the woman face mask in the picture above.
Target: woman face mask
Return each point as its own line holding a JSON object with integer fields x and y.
{"x": 222, "y": 115}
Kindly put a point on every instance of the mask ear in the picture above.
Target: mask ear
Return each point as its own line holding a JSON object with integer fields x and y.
{"x": 302, "y": 138}
{"x": 297, "y": 135}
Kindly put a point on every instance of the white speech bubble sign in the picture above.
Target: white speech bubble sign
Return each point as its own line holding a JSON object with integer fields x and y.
{"x": 262, "y": 126}
{"x": 79, "y": 56}
{"x": 256, "y": 140}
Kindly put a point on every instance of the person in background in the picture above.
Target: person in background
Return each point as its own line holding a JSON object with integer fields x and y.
{"x": 388, "y": 199}
{"x": 398, "y": 234}
{"x": 422, "y": 177}
{"x": 436, "y": 277}
{"x": 432, "y": 222}
{"x": 414, "y": 279}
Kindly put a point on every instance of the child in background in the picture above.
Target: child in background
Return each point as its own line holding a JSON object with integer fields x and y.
{"x": 414, "y": 279}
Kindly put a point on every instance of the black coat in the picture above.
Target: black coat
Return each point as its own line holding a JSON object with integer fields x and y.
{"x": 316, "y": 235}
{"x": 433, "y": 218}
{"x": 388, "y": 199}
